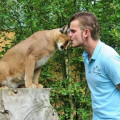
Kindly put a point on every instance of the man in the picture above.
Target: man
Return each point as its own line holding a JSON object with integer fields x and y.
{"x": 102, "y": 66}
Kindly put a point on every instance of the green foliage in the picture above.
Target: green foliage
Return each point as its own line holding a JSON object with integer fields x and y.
{"x": 65, "y": 70}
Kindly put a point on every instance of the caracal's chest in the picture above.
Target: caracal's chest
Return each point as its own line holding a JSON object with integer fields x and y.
{"x": 42, "y": 61}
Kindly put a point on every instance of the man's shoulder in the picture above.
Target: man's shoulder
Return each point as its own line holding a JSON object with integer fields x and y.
{"x": 107, "y": 51}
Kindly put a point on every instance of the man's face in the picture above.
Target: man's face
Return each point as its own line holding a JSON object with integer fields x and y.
{"x": 76, "y": 34}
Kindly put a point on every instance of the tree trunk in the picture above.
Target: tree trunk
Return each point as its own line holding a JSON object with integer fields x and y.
{"x": 70, "y": 84}
{"x": 26, "y": 104}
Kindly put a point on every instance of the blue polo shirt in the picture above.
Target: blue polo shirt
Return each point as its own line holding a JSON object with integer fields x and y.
{"x": 103, "y": 74}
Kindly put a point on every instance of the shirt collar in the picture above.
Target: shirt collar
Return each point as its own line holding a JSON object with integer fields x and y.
{"x": 85, "y": 54}
{"x": 96, "y": 51}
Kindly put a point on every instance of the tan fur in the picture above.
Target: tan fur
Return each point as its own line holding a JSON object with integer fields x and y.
{"x": 22, "y": 63}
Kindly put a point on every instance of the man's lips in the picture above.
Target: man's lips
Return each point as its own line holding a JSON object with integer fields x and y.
{"x": 71, "y": 41}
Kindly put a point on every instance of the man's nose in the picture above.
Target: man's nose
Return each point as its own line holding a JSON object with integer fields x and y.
{"x": 70, "y": 34}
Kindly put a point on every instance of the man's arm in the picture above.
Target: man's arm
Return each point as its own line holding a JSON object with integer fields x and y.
{"x": 112, "y": 69}
{"x": 118, "y": 86}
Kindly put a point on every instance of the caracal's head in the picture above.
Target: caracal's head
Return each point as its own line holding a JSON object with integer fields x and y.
{"x": 63, "y": 38}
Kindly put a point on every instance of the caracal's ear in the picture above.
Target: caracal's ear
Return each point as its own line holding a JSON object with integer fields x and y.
{"x": 65, "y": 29}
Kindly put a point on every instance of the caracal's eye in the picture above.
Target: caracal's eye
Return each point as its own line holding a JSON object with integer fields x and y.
{"x": 66, "y": 42}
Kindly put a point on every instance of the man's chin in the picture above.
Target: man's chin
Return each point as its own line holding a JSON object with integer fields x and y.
{"x": 74, "y": 46}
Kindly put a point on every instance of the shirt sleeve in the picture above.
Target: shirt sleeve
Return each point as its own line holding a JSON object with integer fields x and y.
{"x": 112, "y": 68}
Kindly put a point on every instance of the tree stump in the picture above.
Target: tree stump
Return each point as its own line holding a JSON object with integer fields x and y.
{"x": 26, "y": 104}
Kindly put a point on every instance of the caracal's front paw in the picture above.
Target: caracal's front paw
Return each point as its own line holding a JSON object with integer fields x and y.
{"x": 39, "y": 86}
{"x": 4, "y": 87}
{"x": 31, "y": 86}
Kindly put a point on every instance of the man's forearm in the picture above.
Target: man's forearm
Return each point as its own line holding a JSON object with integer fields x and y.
{"x": 118, "y": 86}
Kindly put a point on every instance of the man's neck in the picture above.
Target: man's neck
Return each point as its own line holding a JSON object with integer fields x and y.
{"x": 90, "y": 47}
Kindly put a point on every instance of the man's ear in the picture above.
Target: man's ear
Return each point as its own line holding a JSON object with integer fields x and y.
{"x": 86, "y": 32}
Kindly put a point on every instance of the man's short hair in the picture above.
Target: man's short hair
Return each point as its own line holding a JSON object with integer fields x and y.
{"x": 89, "y": 21}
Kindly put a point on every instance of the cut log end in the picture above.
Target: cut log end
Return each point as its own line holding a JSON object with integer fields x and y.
{"x": 26, "y": 104}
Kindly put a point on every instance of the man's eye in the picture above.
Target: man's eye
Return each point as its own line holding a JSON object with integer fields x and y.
{"x": 73, "y": 31}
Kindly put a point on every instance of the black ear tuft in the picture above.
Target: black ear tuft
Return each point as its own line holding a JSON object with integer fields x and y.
{"x": 68, "y": 30}
{"x": 64, "y": 29}
{"x": 61, "y": 31}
